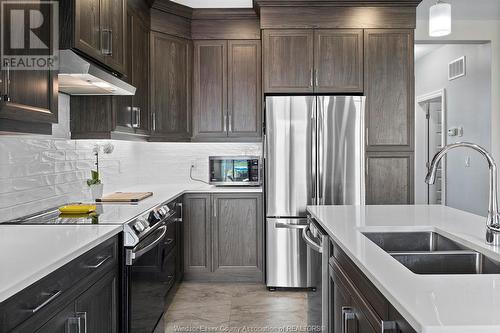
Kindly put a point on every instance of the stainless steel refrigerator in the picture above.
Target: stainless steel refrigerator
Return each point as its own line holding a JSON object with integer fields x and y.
{"x": 314, "y": 155}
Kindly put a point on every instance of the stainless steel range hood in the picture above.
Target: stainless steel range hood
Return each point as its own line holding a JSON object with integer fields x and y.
{"x": 78, "y": 76}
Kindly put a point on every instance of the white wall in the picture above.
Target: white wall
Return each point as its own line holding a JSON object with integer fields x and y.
{"x": 468, "y": 102}
{"x": 40, "y": 172}
{"x": 477, "y": 30}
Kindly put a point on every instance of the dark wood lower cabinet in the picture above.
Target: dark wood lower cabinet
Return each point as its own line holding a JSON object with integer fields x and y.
{"x": 83, "y": 293}
{"x": 356, "y": 306}
{"x": 223, "y": 237}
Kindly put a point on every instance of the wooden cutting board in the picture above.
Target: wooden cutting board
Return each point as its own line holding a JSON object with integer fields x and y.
{"x": 125, "y": 197}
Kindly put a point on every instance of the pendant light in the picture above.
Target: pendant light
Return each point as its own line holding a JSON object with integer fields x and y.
{"x": 440, "y": 19}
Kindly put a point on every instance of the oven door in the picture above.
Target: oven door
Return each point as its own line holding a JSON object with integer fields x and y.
{"x": 150, "y": 277}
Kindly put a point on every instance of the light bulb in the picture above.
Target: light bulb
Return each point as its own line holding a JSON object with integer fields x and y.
{"x": 440, "y": 19}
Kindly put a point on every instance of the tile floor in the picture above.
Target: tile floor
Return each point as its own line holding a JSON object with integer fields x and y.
{"x": 234, "y": 307}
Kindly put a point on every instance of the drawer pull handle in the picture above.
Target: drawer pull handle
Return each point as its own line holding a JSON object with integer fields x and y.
{"x": 78, "y": 323}
{"x": 52, "y": 297}
{"x": 349, "y": 320}
{"x": 389, "y": 326}
{"x": 100, "y": 263}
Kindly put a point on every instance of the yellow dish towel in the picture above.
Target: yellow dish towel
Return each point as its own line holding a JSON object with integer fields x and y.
{"x": 77, "y": 209}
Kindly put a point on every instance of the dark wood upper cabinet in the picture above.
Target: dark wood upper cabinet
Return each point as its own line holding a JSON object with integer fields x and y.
{"x": 120, "y": 117}
{"x": 288, "y": 61}
{"x": 304, "y": 61}
{"x": 170, "y": 87}
{"x": 28, "y": 97}
{"x": 244, "y": 89}
{"x": 210, "y": 89}
{"x": 389, "y": 81}
{"x": 338, "y": 60}
{"x": 97, "y": 29}
{"x": 227, "y": 90}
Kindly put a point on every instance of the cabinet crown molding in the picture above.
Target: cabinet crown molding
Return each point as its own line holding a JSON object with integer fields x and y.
{"x": 334, "y": 3}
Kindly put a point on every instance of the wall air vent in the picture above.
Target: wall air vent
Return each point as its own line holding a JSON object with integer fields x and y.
{"x": 456, "y": 68}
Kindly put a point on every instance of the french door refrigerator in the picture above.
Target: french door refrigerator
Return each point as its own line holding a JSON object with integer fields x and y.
{"x": 314, "y": 155}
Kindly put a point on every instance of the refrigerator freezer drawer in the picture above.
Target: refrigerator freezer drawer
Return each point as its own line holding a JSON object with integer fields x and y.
{"x": 288, "y": 258}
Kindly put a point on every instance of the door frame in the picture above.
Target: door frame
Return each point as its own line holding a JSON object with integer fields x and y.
{"x": 419, "y": 101}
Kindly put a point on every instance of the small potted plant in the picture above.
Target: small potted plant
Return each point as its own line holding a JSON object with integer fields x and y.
{"x": 94, "y": 183}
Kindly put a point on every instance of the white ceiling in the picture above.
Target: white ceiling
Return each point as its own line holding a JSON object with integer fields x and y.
{"x": 216, "y": 3}
{"x": 465, "y": 9}
{"x": 422, "y": 50}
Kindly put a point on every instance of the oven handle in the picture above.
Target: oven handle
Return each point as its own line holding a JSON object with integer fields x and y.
{"x": 309, "y": 242}
{"x": 137, "y": 254}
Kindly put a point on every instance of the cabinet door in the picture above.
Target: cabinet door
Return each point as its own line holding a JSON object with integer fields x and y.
{"x": 350, "y": 312}
{"x": 113, "y": 32}
{"x": 197, "y": 237}
{"x": 210, "y": 89}
{"x": 140, "y": 70}
{"x": 338, "y": 60}
{"x": 61, "y": 322}
{"x": 244, "y": 93}
{"x": 389, "y": 178}
{"x": 238, "y": 236}
{"x": 170, "y": 86}
{"x": 389, "y": 81}
{"x": 88, "y": 17}
{"x": 100, "y": 303}
{"x": 288, "y": 61}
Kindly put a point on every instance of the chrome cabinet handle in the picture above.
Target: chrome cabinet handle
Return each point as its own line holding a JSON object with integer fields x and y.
{"x": 311, "y": 78}
{"x": 154, "y": 121}
{"x": 316, "y": 77}
{"x": 100, "y": 263}
{"x": 280, "y": 225}
{"x": 225, "y": 123}
{"x": 77, "y": 324}
{"x": 310, "y": 243}
{"x": 136, "y": 116}
{"x": 52, "y": 296}
{"x": 230, "y": 123}
{"x": 389, "y": 327}
{"x": 215, "y": 209}
{"x": 348, "y": 320}
{"x": 106, "y": 50}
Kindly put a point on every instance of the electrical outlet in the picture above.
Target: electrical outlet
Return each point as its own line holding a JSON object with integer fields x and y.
{"x": 193, "y": 164}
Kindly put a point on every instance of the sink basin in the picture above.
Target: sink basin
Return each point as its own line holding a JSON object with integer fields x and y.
{"x": 413, "y": 241}
{"x": 460, "y": 262}
{"x": 432, "y": 253}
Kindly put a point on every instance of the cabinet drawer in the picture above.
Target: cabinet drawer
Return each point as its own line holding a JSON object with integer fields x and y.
{"x": 374, "y": 298}
{"x": 46, "y": 296}
{"x": 367, "y": 320}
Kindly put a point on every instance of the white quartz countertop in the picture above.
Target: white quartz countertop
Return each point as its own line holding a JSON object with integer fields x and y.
{"x": 30, "y": 252}
{"x": 430, "y": 303}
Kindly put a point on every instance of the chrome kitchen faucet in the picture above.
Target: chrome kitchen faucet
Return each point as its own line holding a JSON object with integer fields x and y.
{"x": 493, "y": 219}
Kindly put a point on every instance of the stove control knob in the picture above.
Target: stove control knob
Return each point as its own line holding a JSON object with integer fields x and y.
{"x": 139, "y": 227}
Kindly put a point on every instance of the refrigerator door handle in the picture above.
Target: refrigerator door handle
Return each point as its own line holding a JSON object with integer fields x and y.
{"x": 313, "y": 151}
{"x": 320, "y": 151}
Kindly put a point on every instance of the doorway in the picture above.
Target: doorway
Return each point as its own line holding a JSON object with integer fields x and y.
{"x": 433, "y": 108}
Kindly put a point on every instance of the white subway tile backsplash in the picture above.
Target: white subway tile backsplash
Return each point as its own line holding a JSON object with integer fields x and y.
{"x": 39, "y": 172}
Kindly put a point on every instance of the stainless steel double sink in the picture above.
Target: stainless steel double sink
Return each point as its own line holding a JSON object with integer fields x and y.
{"x": 432, "y": 253}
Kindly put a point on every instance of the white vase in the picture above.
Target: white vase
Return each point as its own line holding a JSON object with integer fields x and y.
{"x": 96, "y": 191}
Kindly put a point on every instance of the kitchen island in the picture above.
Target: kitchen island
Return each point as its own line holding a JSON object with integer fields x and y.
{"x": 429, "y": 303}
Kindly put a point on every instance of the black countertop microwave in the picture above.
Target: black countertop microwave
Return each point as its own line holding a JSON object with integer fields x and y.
{"x": 235, "y": 170}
